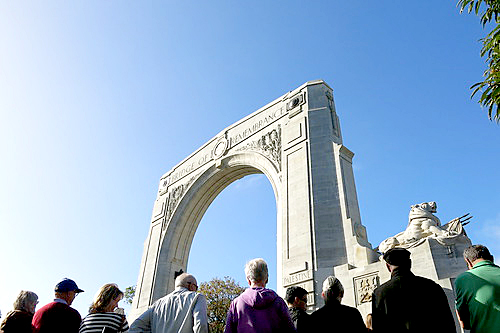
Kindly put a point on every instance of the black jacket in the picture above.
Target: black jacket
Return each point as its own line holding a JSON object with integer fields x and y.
{"x": 300, "y": 319}
{"x": 410, "y": 303}
{"x": 337, "y": 318}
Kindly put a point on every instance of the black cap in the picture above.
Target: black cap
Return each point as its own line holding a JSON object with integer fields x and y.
{"x": 397, "y": 256}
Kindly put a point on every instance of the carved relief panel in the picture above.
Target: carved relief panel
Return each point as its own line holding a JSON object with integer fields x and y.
{"x": 364, "y": 287}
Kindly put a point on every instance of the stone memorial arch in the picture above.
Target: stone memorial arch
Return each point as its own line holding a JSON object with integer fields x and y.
{"x": 297, "y": 143}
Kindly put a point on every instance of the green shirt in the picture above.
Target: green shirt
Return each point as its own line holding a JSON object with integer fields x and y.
{"x": 478, "y": 297}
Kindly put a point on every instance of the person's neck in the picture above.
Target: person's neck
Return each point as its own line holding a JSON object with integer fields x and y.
{"x": 61, "y": 299}
{"x": 333, "y": 302}
{"x": 257, "y": 285}
{"x": 475, "y": 262}
{"x": 400, "y": 270}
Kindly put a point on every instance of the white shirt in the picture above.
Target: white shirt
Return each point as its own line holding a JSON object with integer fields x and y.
{"x": 181, "y": 311}
{"x": 58, "y": 300}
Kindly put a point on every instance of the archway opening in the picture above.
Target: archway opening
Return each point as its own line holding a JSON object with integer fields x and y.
{"x": 240, "y": 224}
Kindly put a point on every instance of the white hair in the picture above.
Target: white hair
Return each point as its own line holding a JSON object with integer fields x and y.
{"x": 256, "y": 270}
{"x": 332, "y": 289}
{"x": 184, "y": 280}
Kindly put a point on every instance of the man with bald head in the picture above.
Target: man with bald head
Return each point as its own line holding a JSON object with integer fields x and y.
{"x": 182, "y": 311}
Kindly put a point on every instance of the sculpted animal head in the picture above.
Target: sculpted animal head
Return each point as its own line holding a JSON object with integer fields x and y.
{"x": 430, "y": 206}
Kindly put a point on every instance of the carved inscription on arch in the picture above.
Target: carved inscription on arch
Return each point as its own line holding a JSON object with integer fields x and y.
{"x": 262, "y": 121}
{"x": 269, "y": 144}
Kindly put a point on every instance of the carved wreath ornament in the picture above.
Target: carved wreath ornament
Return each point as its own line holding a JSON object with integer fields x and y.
{"x": 173, "y": 199}
{"x": 269, "y": 144}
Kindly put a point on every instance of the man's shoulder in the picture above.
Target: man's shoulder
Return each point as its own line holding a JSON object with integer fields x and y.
{"x": 386, "y": 285}
{"x": 487, "y": 269}
{"x": 50, "y": 307}
{"x": 297, "y": 312}
{"x": 350, "y": 310}
{"x": 339, "y": 310}
{"x": 319, "y": 312}
{"x": 463, "y": 278}
{"x": 416, "y": 279}
{"x": 185, "y": 294}
{"x": 75, "y": 312}
{"x": 425, "y": 281}
{"x": 53, "y": 310}
{"x": 176, "y": 296}
{"x": 200, "y": 298}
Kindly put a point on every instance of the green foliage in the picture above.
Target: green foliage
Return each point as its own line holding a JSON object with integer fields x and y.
{"x": 129, "y": 294}
{"x": 490, "y": 87}
{"x": 219, "y": 294}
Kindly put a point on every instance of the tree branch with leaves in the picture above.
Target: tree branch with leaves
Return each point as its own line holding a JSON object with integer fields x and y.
{"x": 489, "y": 11}
{"x": 129, "y": 294}
{"x": 219, "y": 294}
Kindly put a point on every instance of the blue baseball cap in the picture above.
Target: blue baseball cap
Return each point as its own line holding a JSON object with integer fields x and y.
{"x": 67, "y": 285}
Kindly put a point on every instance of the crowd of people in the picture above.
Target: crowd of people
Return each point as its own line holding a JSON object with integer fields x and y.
{"x": 405, "y": 303}
{"x": 59, "y": 317}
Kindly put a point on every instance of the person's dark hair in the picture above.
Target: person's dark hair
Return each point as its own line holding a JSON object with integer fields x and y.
{"x": 474, "y": 252}
{"x": 293, "y": 292}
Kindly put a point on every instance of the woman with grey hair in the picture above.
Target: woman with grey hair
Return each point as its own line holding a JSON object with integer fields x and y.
{"x": 19, "y": 319}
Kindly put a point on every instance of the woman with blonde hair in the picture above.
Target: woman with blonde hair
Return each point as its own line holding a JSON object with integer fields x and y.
{"x": 19, "y": 319}
{"x": 104, "y": 312}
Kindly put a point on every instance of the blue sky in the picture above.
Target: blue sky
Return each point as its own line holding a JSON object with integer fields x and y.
{"x": 99, "y": 99}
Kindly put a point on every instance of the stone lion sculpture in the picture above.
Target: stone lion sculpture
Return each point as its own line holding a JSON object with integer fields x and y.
{"x": 423, "y": 224}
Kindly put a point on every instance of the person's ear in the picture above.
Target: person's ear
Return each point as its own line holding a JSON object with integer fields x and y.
{"x": 388, "y": 267}
{"x": 341, "y": 295}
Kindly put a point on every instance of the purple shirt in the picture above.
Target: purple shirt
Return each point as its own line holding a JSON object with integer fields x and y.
{"x": 258, "y": 310}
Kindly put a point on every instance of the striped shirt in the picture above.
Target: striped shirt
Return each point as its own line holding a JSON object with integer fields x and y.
{"x": 95, "y": 322}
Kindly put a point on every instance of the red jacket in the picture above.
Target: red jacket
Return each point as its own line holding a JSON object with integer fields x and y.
{"x": 56, "y": 317}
